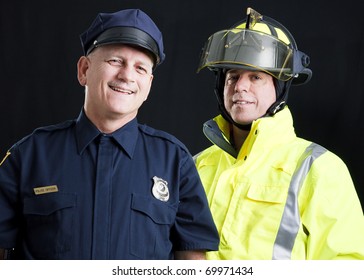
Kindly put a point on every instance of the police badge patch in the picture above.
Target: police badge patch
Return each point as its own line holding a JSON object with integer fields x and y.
{"x": 160, "y": 189}
{"x": 7, "y": 154}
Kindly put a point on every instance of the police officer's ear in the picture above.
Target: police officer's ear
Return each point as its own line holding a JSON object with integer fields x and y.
{"x": 82, "y": 66}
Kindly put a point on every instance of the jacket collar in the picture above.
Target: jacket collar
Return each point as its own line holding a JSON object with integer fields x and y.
{"x": 272, "y": 129}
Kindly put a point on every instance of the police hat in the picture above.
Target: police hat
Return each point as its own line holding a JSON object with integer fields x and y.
{"x": 130, "y": 26}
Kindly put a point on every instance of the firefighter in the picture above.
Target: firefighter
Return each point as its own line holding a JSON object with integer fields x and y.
{"x": 273, "y": 195}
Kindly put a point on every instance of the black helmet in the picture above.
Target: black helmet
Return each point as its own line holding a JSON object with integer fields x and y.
{"x": 257, "y": 43}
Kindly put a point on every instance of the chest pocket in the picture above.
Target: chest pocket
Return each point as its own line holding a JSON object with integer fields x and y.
{"x": 151, "y": 220}
{"x": 49, "y": 221}
{"x": 268, "y": 194}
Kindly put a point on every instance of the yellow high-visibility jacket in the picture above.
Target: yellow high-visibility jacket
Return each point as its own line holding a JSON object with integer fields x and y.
{"x": 282, "y": 197}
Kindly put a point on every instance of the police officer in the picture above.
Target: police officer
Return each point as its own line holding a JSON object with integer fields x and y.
{"x": 272, "y": 194}
{"x": 103, "y": 186}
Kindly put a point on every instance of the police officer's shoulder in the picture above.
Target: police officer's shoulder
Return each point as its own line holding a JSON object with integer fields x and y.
{"x": 162, "y": 135}
{"x": 54, "y": 127}
{"x": 46, "y": 130}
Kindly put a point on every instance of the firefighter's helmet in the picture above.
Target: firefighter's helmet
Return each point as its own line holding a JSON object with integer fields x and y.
{"x": 257, "y": 43}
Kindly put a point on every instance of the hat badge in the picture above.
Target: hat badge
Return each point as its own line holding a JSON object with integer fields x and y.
{"x": 160, "y": 189}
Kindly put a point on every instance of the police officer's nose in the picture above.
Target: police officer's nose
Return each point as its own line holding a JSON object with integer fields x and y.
{"x": 126, "y": 73}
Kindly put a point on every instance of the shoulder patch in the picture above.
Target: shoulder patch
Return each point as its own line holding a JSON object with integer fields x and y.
{"x": 7, "y": 154}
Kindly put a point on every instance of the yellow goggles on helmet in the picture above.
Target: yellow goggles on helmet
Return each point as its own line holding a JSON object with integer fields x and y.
{"x": 260, "y": 46}
{"x": 244, "y": 48}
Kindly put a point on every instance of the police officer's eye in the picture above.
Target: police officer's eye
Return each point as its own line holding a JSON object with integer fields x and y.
{"x": 115, "y": 62}
{"x": 141, "y": 69}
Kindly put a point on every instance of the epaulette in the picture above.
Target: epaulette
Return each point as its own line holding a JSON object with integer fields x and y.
{"x": 163, "y": 135}
{"x": 49, "y": 128}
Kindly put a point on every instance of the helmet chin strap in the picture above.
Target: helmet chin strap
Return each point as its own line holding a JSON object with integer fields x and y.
{"x": 281, "y": 87}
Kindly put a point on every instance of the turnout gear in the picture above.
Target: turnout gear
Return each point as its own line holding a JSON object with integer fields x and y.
{"x": 280, "y": 196}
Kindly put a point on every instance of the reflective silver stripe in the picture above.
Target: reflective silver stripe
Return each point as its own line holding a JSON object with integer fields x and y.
{"x": 290, "y": 222}
{"x": 196, "y": 156}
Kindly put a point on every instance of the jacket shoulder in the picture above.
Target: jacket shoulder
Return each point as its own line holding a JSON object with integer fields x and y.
{"x": 210, "y": 154}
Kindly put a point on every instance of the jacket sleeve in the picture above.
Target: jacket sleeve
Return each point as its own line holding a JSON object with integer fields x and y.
{"x": 331, "y": 212}
{"x": 8, "y": 200}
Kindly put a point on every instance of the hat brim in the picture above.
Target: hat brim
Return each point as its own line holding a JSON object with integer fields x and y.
{"x": 127, "y": 35}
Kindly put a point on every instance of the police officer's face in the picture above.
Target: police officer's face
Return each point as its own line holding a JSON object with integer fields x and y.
{"x": 117, "y": 79}
{"x": 248, "y": 94}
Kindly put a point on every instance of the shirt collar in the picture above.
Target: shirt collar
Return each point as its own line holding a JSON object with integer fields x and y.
{"x": 127, "y": 136}
{"x": 86, "y": 132}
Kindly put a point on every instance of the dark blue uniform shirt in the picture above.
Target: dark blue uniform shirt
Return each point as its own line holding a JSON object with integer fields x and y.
{"x": 70, "y": 192}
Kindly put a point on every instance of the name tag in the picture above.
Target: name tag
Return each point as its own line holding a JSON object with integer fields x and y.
{"x": 45, "y": 189}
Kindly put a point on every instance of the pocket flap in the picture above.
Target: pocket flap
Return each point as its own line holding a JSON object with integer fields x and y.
{"x": 46, "y": 204}
{"x": 159, "y": 212}
{"x": 268, "y": 193}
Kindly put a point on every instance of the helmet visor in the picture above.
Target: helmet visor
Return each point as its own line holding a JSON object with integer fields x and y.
{"x": 248, "y": 49}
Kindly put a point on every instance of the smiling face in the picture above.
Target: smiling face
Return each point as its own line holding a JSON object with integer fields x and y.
{"x": 117, "y": 80}
{"x": 248, "y": 94}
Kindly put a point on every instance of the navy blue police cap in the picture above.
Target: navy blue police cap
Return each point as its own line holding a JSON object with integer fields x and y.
{"x": 130, "y": 26}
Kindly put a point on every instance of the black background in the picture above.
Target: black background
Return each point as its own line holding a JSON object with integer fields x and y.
{"x": 40, "y": 46}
